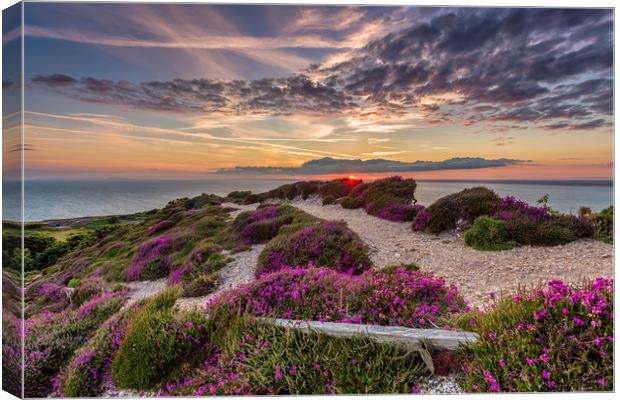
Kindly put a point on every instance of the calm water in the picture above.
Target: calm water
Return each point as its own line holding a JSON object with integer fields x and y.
{"x": 68, "y": 199}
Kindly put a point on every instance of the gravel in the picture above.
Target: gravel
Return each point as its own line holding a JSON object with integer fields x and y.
{"x": 476, "y": 273}
{"x": 441, "y": 385}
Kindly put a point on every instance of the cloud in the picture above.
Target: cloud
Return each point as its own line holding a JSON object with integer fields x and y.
{"x": 54, "y": 80}
{"x": 468, "y": 65}
{"x": 330, "y": 165}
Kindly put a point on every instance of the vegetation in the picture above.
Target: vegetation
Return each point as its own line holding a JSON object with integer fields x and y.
{"x": 157, "y": 341}
{"x": 488, "y": 233}
{"x": 51, "y": 339}
{"x": 460, "y": 208}
{"x": 324, "y": 244}
{"x": 559, "y": 338}
{"x": 401, "y": 296}
{"x": 80, "y": 341}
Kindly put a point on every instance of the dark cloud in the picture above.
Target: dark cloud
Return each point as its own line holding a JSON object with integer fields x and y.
{"x": 575, "y": 126}
{"x": 54, "y": 80}
{"x": 330, "y": 165}
{"x": 522, "y": 65}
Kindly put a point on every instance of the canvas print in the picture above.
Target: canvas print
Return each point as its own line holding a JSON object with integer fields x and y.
{"x": 233, "y": 199}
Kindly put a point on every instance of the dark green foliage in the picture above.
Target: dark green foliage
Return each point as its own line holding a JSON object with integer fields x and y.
{"x": 36, "y": 244}
{"x": 157, "y": 344}
{"x": 552, "y": 233}
{"x": 488, "y": 233}
{"x": 329, "y": 200}
{"x": 522, "y": 230}
{"x": 465, "y": 205}
{"x": 350, "y": 202}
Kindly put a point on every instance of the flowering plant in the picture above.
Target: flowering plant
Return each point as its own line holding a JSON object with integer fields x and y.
{"x": 559, "y": 338}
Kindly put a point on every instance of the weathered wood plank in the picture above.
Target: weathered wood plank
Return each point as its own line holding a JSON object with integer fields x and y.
{"x": 436, "y": 338}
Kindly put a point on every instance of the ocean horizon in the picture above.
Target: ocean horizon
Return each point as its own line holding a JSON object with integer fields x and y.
{"x": 74, "y": 198}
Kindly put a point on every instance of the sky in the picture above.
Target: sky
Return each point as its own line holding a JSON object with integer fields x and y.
{"x": 156, "y": 90}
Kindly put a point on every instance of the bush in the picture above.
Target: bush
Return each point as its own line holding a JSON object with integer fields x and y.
{"x": 157, "y": 342}
{"x": 465, "y": 205}
{"x": 400, "y": 296}
{"x": 350, "y": 202}
{"x": 87, "y": 374}
{"x": 522, "y": 230}
{"x": 488, "y": 233}
{"x": 266, "y": 359}
{"x": 559, "y": 338}
{"x": 52, "y": 338}
{"x": 325, "y": 244}
{"x": 554, "y": 232}
{"x": 265, "y": 223}
{"x": 329, "y": 199}
{"x": 391, "y": 208}
{"x": 199, "y": 279}
{"x": 152, "y": 260}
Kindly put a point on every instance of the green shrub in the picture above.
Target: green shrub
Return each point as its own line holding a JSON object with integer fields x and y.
{"x": 522, "y": 230}
{"x": 329, "y": 199}
{"x": 488, "y": 233}
{"x": 465, "y": 205}
{"x": 158, "y": 342}
{"x": 558, "y": 338}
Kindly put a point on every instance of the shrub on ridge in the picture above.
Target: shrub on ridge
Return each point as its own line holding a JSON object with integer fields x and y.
{"x": 488, "y": 233}
{"x": 326, "y": 243}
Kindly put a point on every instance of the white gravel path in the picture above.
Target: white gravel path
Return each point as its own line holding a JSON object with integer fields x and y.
{"x": 476, "y": 273}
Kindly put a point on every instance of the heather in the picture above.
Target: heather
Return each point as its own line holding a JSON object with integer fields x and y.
{"x": 460, "y": 208}
{"x": 51, "y": 339}
{"x": 89, "y": 373}
{"x": 199, "y": 277}
{"x": 257, "y": 358}
{"x": 325, "y": 244}
{"x": 558, "y": 338}
{"x": 401, "y": 296}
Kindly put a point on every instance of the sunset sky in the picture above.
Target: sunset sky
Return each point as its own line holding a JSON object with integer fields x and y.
{"x": 120, "y": 90}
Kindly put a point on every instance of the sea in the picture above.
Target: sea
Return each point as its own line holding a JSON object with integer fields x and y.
{"x": 56, "y": 199}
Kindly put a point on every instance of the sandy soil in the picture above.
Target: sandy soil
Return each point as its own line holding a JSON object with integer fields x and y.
{"x": 476, "y": 273}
